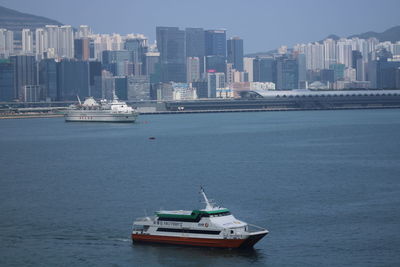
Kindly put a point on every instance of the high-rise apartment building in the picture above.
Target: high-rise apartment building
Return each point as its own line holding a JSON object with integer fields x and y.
{"x": 6, "y": 43}
{"x": 27, "y": 41}
{"x": 66, "y": 42}
{"x": 40, "y": 43}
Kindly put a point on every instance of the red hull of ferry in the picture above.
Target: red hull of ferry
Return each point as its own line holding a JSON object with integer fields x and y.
{"x": 203, "y": 242}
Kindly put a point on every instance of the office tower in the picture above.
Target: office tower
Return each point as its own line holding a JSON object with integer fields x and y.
{"x": 215, "y": 63}
{"x": 6, "y": 43}
{"x": 201, "y": 88}
{"x": 215, "y": 81}
{"x": 115, "y": 61}
{"x": 301, "y": 62}
{"x": 27, "y": 41}
{"x": 171, "y": 45}
{"x": 355, "y": 55}
{"x": 383, "y": 74}
{"x": 360, "y": 69}
{"x": 81, "y": 49}
{"x": 138, "y": 88}
{"x": 193, "y": 69}
{"x": 152, "y": 66}
{"x": 137, "y": 45}
{"x": 215, "y": 43}
{"x": 83, "y": 32}
{"x": 48, "y": 78}
{"x": 338, "y": 71}
{"x": 95, "y": 75}
{"x": 248, "y": 67}
{"x": 66, "y": 42}
{"x": 287, "y": 74}
{"x": 73, "y": 79}
{"x": 264, "y": 70}
{"x": 235, "y": 52}
{"x": 25, "y": 73}
{"x": 121, "y": 87}
{"x": 40, "y": 43}
{"x": 329, "y": 52}
{"x": 6, "y": 80}
{"x": 195, "y": 45}
{"x": 92, "y": 50}
{"x": 327, "y": 75}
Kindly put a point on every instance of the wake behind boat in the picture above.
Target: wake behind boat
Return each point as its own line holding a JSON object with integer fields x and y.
{"x": 212, "y": 226}
{"x": 105, "y": 111}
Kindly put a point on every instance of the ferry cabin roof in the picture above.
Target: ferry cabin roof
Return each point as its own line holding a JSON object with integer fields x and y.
{"x": 194, "y": 216}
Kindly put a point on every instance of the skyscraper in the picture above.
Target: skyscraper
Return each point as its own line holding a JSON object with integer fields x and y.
{"x": 215, "y": 43}
{"x": 6, "y": 80}
{"x": 48, "y": 78}
{"x": 25, "y": 72}
{"x": 171, "y": 45}
{"x": 248, "y": 67}
{"x": 138, "y": 47}
{"x": 195, "y": 45}
{"x": 73, "y": 79}
{"x": 235, "y": 52}
{"x": 193, "y": 69}
{"x": 264, "y": 70}
{"x": 215, "y": 81}
{"x": 81, "y": 47}
{"x": 287, "y": 74}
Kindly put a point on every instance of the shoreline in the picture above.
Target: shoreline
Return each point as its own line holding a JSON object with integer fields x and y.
{"x": 47, "y": 115}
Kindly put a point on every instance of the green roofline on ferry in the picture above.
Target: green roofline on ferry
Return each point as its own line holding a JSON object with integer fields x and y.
{"x": 194, "y": 214}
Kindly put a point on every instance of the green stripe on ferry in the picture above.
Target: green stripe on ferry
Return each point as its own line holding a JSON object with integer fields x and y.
{"x": 193, "y": 215}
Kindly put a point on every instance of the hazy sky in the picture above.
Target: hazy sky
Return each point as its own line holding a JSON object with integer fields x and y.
{"x": 263, "y": 24}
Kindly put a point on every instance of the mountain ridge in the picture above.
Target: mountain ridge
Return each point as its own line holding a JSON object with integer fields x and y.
{"x": 14, "y": 20}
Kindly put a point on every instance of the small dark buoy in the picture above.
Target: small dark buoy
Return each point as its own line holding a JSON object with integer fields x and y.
{"x": 152, "y": 138}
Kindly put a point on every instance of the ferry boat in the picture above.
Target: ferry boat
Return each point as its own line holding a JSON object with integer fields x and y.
{"x": 105, "y": 111}
{"x": 212, "y": 226}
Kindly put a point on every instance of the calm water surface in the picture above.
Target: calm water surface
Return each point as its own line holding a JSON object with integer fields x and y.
{"x": 326, "y": 184}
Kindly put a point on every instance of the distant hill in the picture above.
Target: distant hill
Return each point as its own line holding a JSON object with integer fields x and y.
{"x": 16, "y": 21}
{"x": 392, "y": 35}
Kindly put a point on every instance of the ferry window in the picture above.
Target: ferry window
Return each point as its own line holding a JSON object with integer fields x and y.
{"x": 231, "y": 231}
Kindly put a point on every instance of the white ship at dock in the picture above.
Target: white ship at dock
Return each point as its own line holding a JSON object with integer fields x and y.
{"x": 104, "y": 111}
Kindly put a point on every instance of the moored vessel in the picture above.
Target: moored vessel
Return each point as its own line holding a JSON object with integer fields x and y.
{"x": 105, "y": 111}
{"x": 212, "y": 226}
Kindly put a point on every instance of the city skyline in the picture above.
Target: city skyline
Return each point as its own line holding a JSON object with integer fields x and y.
{"x": 263, "y": 32}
